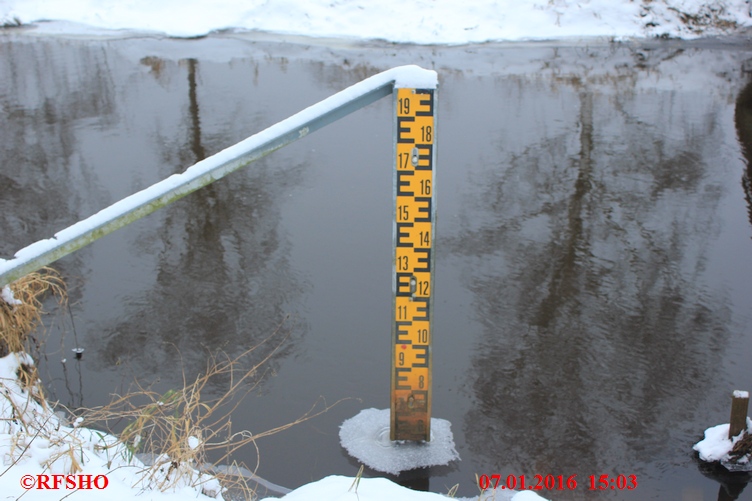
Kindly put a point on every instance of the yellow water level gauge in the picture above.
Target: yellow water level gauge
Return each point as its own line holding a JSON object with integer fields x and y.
{"x": 412, "y": 275}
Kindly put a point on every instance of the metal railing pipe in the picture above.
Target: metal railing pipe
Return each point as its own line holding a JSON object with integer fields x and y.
{"x": 215, "y": 167}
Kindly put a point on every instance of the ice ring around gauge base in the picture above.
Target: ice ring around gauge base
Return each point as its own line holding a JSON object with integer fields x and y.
{"x": 366, "y": 438}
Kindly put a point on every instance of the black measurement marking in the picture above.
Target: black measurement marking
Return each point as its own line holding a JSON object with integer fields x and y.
{"x": 404, "y": 130}
{"x": 404, "y": 159}
{"x": 398, "y": 378}
{"x": 401, "y": 332}
{"x": 403, "y": 234}
{"x": 404, "y": 105}
{"x": 404, "y": 284}
{"x": 402, "y": 213}
{"x": 428, "y": 102}
{"x": 426, "y": 259}
{"x": 402, "y": 311}
{"x": 426, "y": 134}
{"x": 425, "y": 186}
{"x": 422, "y": 309}
{"x": 401, "y": 183}
{"x": 403, "y": 263}
{"x": 424, "y": 210}
{"x": 421, "y": 356}
{"x": 425, "y": 160}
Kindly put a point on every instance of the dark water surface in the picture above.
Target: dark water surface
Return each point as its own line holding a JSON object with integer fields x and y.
{"x": 593, "y": 278}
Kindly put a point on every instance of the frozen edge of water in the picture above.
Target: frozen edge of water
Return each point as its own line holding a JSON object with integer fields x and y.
{"x": 600, "y": 58}
{"x": 366, "y": 438}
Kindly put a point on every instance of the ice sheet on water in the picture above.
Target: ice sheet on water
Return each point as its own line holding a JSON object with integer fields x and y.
{"x": 366, "y": 438}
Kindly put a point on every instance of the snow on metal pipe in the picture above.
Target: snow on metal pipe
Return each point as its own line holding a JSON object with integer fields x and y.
{"x": 215, "y": 167}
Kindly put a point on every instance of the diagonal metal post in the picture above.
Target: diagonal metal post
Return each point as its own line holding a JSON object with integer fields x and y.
{"x": 215, "y": 167}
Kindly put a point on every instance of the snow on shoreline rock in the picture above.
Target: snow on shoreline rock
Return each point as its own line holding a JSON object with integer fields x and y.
{"x": 717, "y": 447}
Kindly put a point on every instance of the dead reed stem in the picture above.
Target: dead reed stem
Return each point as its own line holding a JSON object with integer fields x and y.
{"x": 181, "y": 427}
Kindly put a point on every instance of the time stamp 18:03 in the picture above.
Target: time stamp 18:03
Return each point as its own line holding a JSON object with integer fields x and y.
{"x": 557, "y": 482}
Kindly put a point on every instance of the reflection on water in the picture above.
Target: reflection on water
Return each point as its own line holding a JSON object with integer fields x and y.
{"x": 743, "y": 121}
{"x": 213, "y": 271}
{"x": 42, "y": 104}
{"x": 221, "y": 266}
{"x": 592, "y": 301}
{"x": 599, "y": 322}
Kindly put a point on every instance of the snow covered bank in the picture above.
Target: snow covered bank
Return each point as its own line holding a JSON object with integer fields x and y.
{"x": 45, "y": 459}
{"x": 422, "y": 22}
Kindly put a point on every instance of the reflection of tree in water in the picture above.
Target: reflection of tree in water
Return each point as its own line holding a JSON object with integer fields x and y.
{"x": 337, "y": 79}
{"x": 223, "y": 279}
{"x": 599, "y": 331}
{"x": 743, "y": 121}
{"x": 44, "y": 98}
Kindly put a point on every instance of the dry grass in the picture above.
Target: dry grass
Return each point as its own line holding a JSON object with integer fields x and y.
{"x": 180, "y": 428}
{"x": 24, "y": 407}
{"x": 742, "y": 448}
{"x": 19, "y": 321}
{"x": 706, "y": 17}
{"x": 709, "y": 18}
